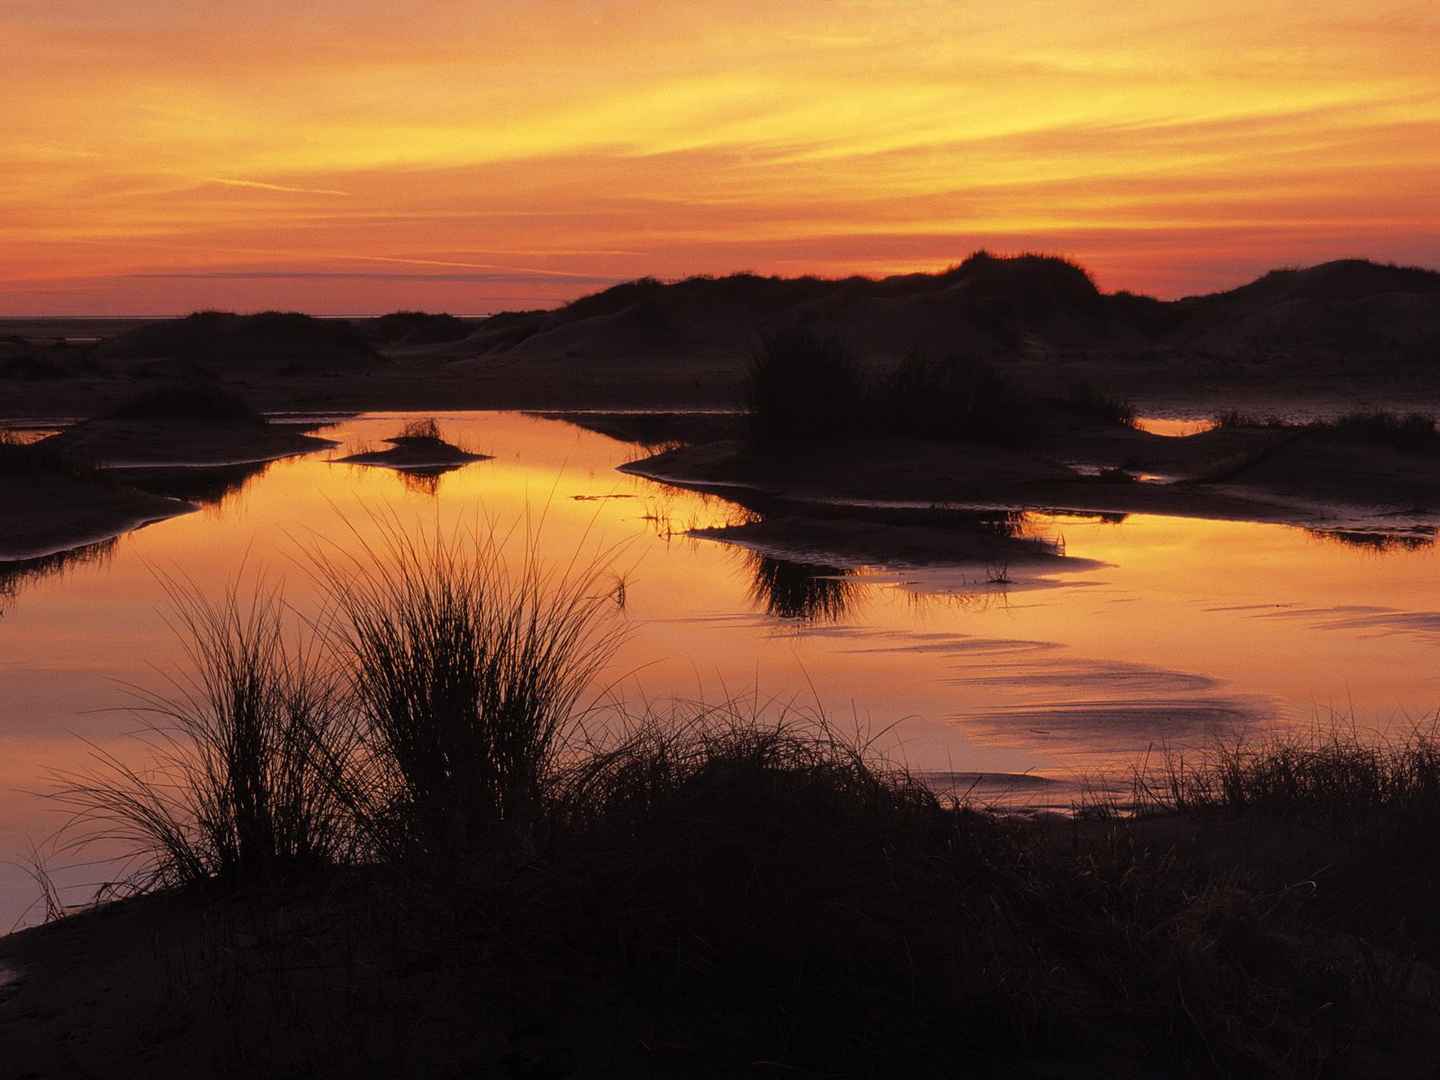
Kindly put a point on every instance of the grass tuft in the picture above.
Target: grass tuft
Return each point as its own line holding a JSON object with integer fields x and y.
{"x": 803, "y": 385}
{"x": 242, "y": 787}
{"x": 466, "y": 672}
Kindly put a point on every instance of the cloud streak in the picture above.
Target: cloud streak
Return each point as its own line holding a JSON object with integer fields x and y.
{"x": 258, "y": 185}
{"x": 673, "y": 139}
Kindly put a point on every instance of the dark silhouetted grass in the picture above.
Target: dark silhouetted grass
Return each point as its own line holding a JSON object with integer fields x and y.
{"x": 952, "y": 398}
{"x": 466, "y": 672}
{"x": 803, "y": 385}
{"x": 1410, "y": 433}
{"x": 420, "y": 430}
{"x": 247, "y": 747}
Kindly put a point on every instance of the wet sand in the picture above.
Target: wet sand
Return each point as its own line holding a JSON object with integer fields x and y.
{"x": 47, "y": 512}
{"x": 115, "y": 443}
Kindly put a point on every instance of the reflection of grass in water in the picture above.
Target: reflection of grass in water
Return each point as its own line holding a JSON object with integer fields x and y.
{"x": 1380, "y": 543}
{"x": 16, "y": 575}
{"x": 802, "y": 591}
{"x": 424, "y": 481}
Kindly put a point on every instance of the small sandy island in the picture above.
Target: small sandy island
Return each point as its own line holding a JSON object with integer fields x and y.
{"x": 182, "y": 425}
{"x": 419, "y": 446}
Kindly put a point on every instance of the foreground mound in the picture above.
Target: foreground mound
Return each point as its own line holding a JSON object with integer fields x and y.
{"x": 198, "y": 424}
{"x": 752, "y": 902}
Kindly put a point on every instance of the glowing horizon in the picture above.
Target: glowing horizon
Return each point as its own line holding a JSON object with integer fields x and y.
{"x": 161, "y": 158}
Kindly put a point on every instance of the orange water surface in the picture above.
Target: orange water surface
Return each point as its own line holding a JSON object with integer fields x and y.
{"x": 1168, "y": 631}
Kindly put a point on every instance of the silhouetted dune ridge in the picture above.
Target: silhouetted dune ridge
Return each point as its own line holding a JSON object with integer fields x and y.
{"x": 1026, "y": 305}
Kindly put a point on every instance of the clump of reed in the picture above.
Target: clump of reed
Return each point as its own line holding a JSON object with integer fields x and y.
{"x": 246, "y": 751}
{"x": 425, "y": 430}
{"x": 803, "y": 385}
{"x": 1336, "y": 775}
{"x": 466, "y": 672}
{"x": 955, "y": 397}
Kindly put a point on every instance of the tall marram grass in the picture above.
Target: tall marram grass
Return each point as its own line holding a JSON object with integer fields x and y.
{"x": 421, "y": 717}
{"x": 466, "y": 672}
{"x": 240, "y": 787}
{"x": 1336, "y": 775}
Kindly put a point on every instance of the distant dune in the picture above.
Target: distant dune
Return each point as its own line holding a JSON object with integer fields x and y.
{"x": 1334, "y": 331}
{"x": 1030, "y": 305}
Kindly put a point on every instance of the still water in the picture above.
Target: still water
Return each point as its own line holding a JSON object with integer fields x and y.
{"x": 1166, "y": 632}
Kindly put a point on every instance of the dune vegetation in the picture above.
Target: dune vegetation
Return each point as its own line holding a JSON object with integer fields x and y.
{"x": 407, "y": 818}
{"x": 803, "y": 385}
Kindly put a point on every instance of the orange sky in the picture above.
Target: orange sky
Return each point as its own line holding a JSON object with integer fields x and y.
{"x": 357, "y": 156}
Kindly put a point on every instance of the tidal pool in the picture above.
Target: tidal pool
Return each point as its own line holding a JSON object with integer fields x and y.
{"x": 1171, "y": 631}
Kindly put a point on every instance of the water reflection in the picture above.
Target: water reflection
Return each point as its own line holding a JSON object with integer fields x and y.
{"x": 425, "y": 481}
{"x": 211, "y": 485}
{"x": 804, "y": 592}
{"x": 1375, "y": 541}
{"x": 15, "y": 576}
{"x": 1178, "y": 628}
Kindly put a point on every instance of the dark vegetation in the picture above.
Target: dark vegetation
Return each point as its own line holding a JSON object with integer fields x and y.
{"x": 218, "y": 343}
{"x": 33, "y": 361}
{"x": 1409, "y": 433}
{"x": 404, "y": 807}
{"x": 418, "y": 431}
{"x": 805, "y": 386}
{"x": 420, "y": 328}
{"x": 1412, "y": 433}
{"x": 188, "y": 402}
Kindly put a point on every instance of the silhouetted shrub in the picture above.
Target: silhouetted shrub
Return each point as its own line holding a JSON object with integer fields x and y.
{"x": 274, "y": 340}
{"x": 956, "y": 398}
{"x": 420, "y": 328}
{"x": 804, "y": 386}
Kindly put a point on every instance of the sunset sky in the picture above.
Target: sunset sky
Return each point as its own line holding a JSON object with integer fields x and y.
{"x": 362, "y": 156}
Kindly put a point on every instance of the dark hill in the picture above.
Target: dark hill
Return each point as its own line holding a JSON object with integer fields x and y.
{"x": 986, "y": 305}
{"x": 1345, "y": 311}
{"x": 403, "y": 328}
{"x": 1002, "y": 308}
{"x": 218, "y": 342}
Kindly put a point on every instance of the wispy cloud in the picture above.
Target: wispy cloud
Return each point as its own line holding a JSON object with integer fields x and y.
{"x": 514, "y": 278}
{"x": 260, "y": 185}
